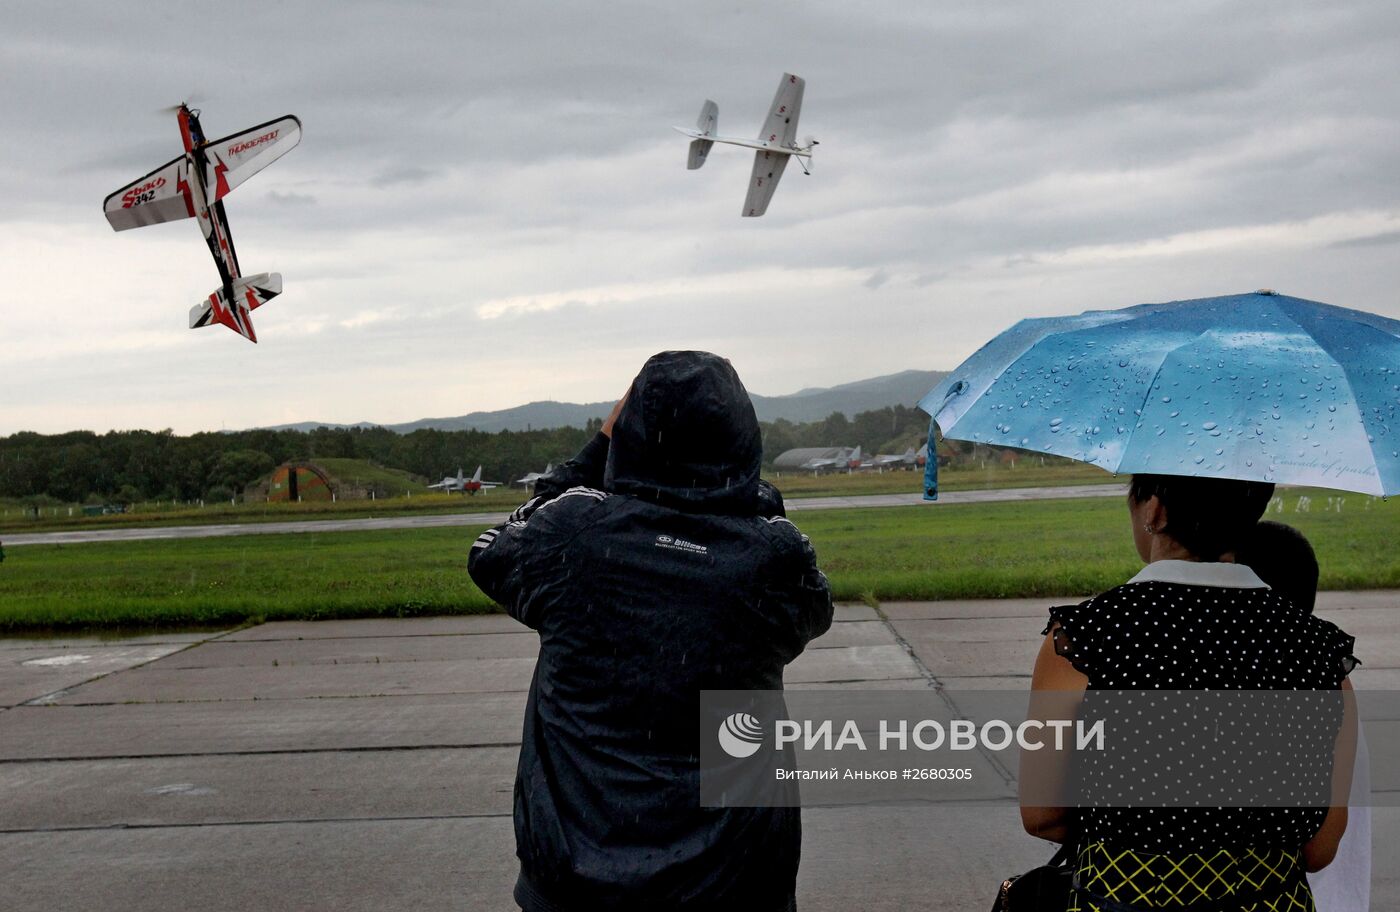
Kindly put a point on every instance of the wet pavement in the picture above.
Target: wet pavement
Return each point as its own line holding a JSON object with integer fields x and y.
{"x": 369, "y": 764}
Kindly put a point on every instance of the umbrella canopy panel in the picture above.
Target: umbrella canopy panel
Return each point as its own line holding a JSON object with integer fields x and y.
{"x": 1256, "y": 386}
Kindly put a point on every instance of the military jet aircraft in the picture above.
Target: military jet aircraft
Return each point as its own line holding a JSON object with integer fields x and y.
{"x": 529, "y": 478}
{"x": 850, "y": 461}
{"x": 776, "y": 143}
{"x": 194, "y": 186}
{"x": 463, "y": 485}
{"x": 880, "y": 462}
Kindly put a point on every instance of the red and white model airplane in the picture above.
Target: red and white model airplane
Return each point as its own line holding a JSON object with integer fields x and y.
{"x": 194, "y": 186}
{"x": 776, "y": 143}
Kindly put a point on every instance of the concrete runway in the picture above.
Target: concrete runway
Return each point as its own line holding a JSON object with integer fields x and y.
{"x": 147, "y": 533}
{"x": 368, "y": 765}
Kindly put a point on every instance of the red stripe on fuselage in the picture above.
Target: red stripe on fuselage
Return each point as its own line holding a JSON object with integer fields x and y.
{"x": 185, "y": 133}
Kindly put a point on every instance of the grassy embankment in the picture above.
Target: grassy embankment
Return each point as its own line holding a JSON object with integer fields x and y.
{"x": 1042, "y": 548}
{"x": 410, "y": 499}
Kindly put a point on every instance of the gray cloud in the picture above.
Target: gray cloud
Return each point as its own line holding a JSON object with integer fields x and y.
{"x": 979, "y": 163}
{"x": 1383, "y": 239}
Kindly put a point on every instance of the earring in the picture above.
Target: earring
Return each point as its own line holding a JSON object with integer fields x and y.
{"x": 1148, "y": 529}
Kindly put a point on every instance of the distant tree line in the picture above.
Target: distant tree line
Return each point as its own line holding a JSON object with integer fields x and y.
{"x": 134, "y": 466}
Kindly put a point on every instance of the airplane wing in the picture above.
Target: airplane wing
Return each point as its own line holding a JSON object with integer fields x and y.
{"x": 767, "y": 171}
{"x": 158, "y": 197}
{"x": 233, "y": 159}
{"x": 781, "y": 125}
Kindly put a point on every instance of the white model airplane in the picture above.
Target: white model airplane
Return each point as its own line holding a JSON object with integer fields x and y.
{"x": 463, "y": 485}
{"x": 776, "y": 143}
{"x": 194, "y": 186}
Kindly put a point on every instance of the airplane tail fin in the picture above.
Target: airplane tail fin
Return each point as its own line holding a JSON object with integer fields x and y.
{"x": 249, "y": 293}
{"x": 709, "y": 118}
{"x": 699, "y": 149}
{"x": 707, "y": 123}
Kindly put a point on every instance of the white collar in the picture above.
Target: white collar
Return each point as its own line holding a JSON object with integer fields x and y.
{"x": 1200, "y": 573}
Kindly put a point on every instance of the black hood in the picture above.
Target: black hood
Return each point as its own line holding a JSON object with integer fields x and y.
{"x": 687, "y": 437}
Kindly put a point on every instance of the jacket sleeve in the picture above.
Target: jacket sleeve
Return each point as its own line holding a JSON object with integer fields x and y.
{"x": 498, "y": 556}
{"x": 798, "y": 585}
{"x": 513, "y": 562}
{"x": 496, "y": 563}
{"x": 584, "y": 470}
{"x": 770, "y": 501}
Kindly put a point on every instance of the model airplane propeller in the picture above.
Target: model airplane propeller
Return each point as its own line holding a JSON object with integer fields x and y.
{"x": 776, "y": 143}
{"x": 194, "y": 186}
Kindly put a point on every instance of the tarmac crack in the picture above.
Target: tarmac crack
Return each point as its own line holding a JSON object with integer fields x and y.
{"x": 944, "y": 694}
{"x": 269, "y": 752}
{"x": 48, "y": 698}
{"x": 300, "y": 821}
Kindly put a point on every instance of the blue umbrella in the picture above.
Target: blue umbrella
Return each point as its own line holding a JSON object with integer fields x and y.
{"x": 1257, "y": 386}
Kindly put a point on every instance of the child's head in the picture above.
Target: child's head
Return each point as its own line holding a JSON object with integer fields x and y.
{"x": 1281, "y": 556}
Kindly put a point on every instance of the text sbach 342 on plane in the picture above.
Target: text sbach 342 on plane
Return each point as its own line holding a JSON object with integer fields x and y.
{"x": 463, "y": 485}
{"x": 194, "y": 186}
{"x": 776, "y": 143}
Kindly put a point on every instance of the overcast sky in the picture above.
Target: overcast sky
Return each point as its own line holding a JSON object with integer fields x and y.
{"x": 488, "y": 206}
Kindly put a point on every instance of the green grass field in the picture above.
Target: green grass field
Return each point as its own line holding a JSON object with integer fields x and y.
{"x": 1041, "y": 548}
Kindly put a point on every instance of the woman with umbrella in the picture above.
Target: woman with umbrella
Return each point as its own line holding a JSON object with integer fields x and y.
{"x": 1210, "y": 403}
{"x": 1192, "y": 619}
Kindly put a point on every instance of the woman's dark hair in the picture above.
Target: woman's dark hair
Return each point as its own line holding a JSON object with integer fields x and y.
{"x": 1282, "y": 557}
{"x": 1207, "y": 516}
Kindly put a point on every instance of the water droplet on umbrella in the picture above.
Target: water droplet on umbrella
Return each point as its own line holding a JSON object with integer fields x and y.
{"x": 1166, "y": 398}
{"x": 1055, "y": 422}
{"x": 1209, "y": 426}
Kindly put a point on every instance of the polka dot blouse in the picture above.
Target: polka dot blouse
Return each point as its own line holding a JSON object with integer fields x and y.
{"x": 1166, "y": 634}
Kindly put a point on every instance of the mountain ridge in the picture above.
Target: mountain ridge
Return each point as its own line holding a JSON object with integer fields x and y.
{"x": 807, "y": 404}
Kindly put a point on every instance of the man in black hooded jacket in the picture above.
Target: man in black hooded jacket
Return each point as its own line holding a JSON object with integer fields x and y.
{"x": 654, "y": 565}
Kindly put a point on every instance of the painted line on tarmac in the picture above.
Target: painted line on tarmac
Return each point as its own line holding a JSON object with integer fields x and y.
{"x": 222, "y": 530}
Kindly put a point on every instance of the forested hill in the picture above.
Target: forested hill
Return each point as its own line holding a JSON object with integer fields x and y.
{"x": 132, "y": 466}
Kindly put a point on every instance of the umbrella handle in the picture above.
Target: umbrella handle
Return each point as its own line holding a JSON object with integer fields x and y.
{"x": 931, "y": 463}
